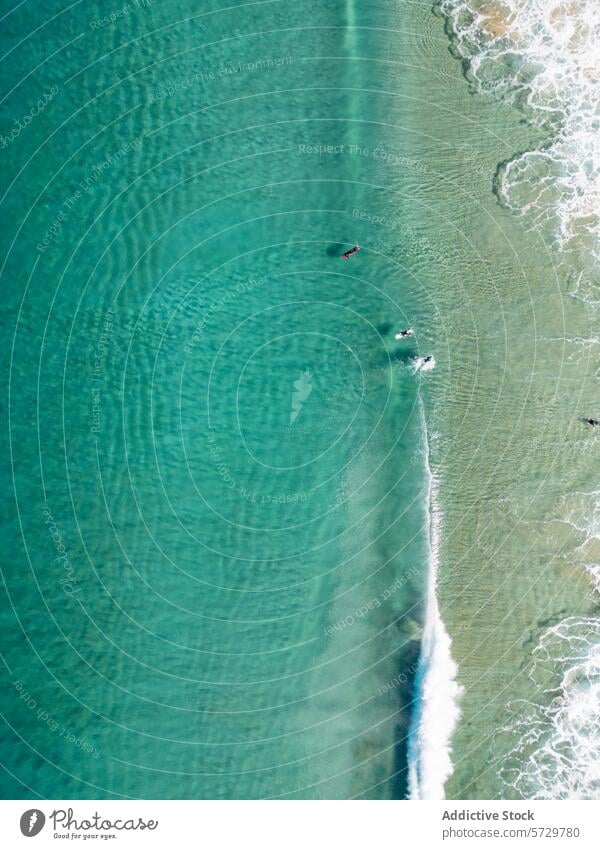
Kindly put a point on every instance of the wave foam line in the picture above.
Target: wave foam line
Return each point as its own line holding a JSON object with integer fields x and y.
{"x": 437, "y": 691}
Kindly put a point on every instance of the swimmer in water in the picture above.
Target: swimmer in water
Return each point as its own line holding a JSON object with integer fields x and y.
{"x": 593, "y": 422}
{"x": 404, "y": 334}
{"x": 351, "y": 252}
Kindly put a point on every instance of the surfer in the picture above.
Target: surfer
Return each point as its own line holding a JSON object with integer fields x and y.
{"x": 404, "y": 334}
{"x": 423, "y": 363}
{"x": 593, "y": 422}
{"x": 351, "y": 252}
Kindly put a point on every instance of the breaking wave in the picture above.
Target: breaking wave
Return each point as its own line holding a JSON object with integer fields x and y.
{"x": 437, "y": 690}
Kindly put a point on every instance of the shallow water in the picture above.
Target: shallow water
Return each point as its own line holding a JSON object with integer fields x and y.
{"x": 518, "y": 483}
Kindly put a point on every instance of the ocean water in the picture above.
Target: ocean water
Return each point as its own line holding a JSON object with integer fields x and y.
{"x": 217, "y": 491}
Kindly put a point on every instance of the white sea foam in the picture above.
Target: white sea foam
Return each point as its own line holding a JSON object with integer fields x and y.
{"x": 581, "y": 510}
{"x": 437, "y": 693}
{"x": 585, "y": 288}
{"x": 555, "y": 755}
{"x": 542, "y": 55}
{"x": 555, "y": 739}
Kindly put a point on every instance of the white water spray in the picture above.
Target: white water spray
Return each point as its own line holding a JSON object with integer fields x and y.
{"x": 437, "y": 692}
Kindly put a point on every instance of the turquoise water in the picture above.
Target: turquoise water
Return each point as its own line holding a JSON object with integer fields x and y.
{"x": 249, "y": 550}
{"x": 215, "y": 541}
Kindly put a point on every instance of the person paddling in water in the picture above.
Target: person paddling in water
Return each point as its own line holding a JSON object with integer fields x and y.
{"x": 404, "y": 334}
{"x": 593, "y": 422}
{"x": 351, "y": 252}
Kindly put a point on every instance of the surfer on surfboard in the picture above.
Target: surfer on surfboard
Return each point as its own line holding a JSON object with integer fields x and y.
{"x": 351, "y": 252}
{"x": 404, "y": 334}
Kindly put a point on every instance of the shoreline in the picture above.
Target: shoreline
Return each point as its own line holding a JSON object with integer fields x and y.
{"x": 519, "y": 544}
